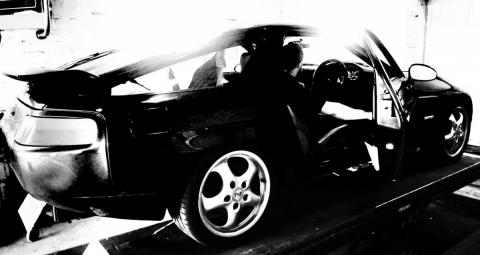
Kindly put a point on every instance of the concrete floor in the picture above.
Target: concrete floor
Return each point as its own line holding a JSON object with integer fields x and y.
{"x": 78, "y": 234}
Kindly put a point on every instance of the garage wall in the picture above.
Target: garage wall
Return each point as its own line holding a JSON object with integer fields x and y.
{"x": 452, "y": 47}
{"x": 399, "y": 24}
{"x": 85, "y": 25}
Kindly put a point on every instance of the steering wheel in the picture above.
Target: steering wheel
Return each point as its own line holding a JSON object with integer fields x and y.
{"x": 331, "y": 74}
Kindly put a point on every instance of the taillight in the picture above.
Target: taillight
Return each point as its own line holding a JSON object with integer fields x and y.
{"x": 56, "y": 131}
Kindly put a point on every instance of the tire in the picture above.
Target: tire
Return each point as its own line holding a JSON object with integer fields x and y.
{"x": 454, "y": 137}
{"x": 227, "y": 198}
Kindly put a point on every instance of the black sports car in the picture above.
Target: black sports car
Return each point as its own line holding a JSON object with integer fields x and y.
{"x": 205, "y": 133}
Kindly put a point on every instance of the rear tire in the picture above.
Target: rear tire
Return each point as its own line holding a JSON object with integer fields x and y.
{"x": 227, "y": 198}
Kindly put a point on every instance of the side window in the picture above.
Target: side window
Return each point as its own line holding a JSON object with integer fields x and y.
{"x": 196, "y": 73}
{"x": 401, "y": 88}
{"x": 212, "y": 72}
{"x": 386, "y": 113}
{"x": 232, "y": 58}
{"x": 158, "y": 81}
{"x": 390, "y": 68}
{"x": 199, "y": 72}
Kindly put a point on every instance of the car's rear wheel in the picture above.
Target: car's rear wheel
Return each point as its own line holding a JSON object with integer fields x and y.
{"x": 227, "y": 197}
{"x": 455, "y": 136}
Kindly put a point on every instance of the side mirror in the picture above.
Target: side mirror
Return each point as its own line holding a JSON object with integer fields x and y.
{"x": 421, "y": 72}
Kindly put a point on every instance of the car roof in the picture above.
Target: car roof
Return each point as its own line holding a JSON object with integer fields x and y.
{"x": 127, "y": 63}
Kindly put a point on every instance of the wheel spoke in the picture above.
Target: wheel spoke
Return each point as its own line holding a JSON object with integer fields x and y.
{"x": 252, "y": 199}
{"x": 450, "y": 135}
{"x": 459, "y": 122}
{"x": 455, "y": 146}
{"x": 249, "y": 173}
{"x": 232, "y": 216}
{"x": 225, "y": 173}
{"x": 452, "y": 120}
{"x": 213, "y": 202}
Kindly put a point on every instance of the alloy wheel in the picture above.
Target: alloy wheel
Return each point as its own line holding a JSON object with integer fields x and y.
{"x": 234, "y": 193}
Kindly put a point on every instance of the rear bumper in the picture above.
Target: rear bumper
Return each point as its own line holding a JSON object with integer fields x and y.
{"x": 79, "y": 177}
{"x": 78, "y": 180}
{"x": 55, "y": 176}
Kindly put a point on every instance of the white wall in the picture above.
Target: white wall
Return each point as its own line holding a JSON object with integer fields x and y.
{"x": 399, "y": 24}
{"x": 453, "y": 47}
{"x": 86, "y": 25}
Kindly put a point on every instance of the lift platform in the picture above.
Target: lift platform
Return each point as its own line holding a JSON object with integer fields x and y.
{"x": 324, "y": 216}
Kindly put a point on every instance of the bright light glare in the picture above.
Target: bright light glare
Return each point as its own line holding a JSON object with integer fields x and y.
{"x": 95, "y": 248}
{"x": 389, "y": 146}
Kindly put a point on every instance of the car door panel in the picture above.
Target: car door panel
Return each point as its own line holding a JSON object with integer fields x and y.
{"x": 388, "y": 112}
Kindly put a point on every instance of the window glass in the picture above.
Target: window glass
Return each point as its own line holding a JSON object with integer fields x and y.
{"x": 389, "y": 66}
{"x": 387, "y": 114}
{"x": 395, "y": 75}
{"x": 232, "y": 58}
{"x": 329, "y": 58}
{"x": 195, "y": 73}
{"x": 318, "y": 49}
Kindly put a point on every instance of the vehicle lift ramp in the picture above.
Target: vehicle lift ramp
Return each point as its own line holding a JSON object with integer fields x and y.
{"x": 342, "y": 209}
{"x": 324, "y": 216}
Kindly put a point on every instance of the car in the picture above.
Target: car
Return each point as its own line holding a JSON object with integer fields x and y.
{"x": 130, "y": 133}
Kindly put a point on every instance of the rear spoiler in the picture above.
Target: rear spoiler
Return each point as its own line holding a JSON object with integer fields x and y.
{"x": 48, "y": 86}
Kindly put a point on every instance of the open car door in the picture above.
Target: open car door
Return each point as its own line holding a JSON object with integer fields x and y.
{"x": 388, "y": 112}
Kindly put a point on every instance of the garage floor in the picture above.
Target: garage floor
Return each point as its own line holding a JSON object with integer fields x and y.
{"x": 74, "y": 236}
